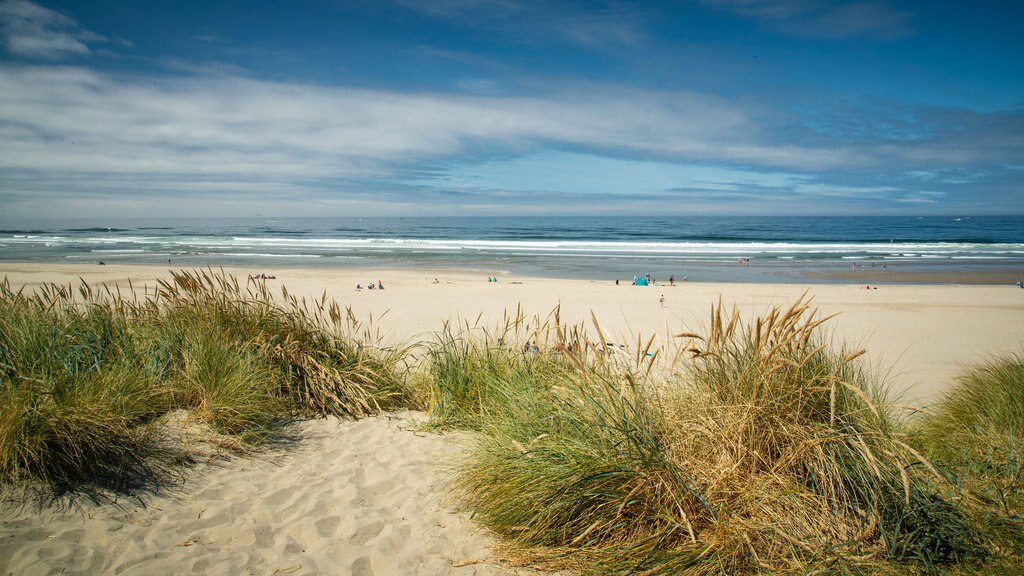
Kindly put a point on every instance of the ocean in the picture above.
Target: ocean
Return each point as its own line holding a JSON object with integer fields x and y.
{"x": 756, "y": 249}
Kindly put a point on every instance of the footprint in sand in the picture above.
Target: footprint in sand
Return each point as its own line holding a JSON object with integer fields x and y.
{"x": 367, "y": 531}
{"x": 264, "y": 537}
{"x": 362, "y": 567}
{"x": 326, "y": 527}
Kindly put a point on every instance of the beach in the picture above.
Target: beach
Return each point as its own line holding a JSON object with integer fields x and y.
{"x": 917, "y": 336}
{"x": 368, "y": 497}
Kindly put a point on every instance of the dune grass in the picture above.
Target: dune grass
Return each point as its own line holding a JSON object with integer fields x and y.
{"x": 977, "y": 433}
{"x": 746, "y": 448}
{"x": 85, "y": 373}
{"x": 768, "y": 451}
{"x": 73, "y": 403}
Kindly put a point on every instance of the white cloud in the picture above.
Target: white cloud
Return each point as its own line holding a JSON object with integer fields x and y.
{"x": 73, "y": 120}
{"x": 65, "y": 129}
{"x": 33, "y": 31}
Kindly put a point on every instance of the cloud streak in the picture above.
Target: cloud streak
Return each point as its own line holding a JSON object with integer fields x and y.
{"x": 216, "y": 133}
{"x": 75, "y": 119}
{"x": 33, "y": 31}
{"x": 823, "y": 18}
{"x": 90, "y": 129}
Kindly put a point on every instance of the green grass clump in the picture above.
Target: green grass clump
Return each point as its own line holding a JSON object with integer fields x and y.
{"x": 473, "y": 383}
{"x": 73, "y": 403}
{"x": 804, "y": 456}
{"x": 326, "y": 362}
{"x": 230, "y": 388}
{"x": 85, "y": 374}
{"x": 977, "y": 432}
{"x": 771, "y": 453}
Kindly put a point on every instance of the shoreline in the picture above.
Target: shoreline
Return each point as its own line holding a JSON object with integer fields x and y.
{"x": 756, "y": 272}
{"x": 921, "y": 336}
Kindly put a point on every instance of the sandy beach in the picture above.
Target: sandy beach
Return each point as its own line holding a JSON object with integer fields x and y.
{"x": 360, "y": 498}
{"x": 919, "y": 336}
{"x": 367, "y": 497}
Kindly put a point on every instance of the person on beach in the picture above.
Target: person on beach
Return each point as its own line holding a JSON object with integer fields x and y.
{"x": 672, "y": 280}
{"x": 380, "y": 285}
{"x": 662, "y": 300}
{"x": 359, "y": 286}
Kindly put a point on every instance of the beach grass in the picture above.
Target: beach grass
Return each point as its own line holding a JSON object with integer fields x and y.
{"x": 976, "y": 432}
{"x": 85, "y": 373}
{"x": 769, "y": 450}
{"x": 749, "y": 446}
{"x": 75, "y": 403}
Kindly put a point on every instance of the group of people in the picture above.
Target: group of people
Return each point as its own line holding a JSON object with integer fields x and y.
{"x": 650, "y": 280}
{"x": 378, "y": 286}
{"x": 857, "y": 266}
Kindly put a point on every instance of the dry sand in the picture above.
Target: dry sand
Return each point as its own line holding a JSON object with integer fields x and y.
{"x": 360, "y": 498}
{"x": 357, "y": 498}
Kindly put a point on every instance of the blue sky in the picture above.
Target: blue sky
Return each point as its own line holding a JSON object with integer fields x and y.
{"x": 509, "y": 107}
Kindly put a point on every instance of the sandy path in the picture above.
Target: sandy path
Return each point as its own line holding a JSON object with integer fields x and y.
{"x": 350, "y": 498}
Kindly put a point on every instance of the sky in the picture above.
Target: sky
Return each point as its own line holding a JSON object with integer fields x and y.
{"x": 510, "y": 107}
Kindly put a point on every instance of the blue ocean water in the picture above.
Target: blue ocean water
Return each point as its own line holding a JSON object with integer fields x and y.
{"x": 702, "y": 248}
